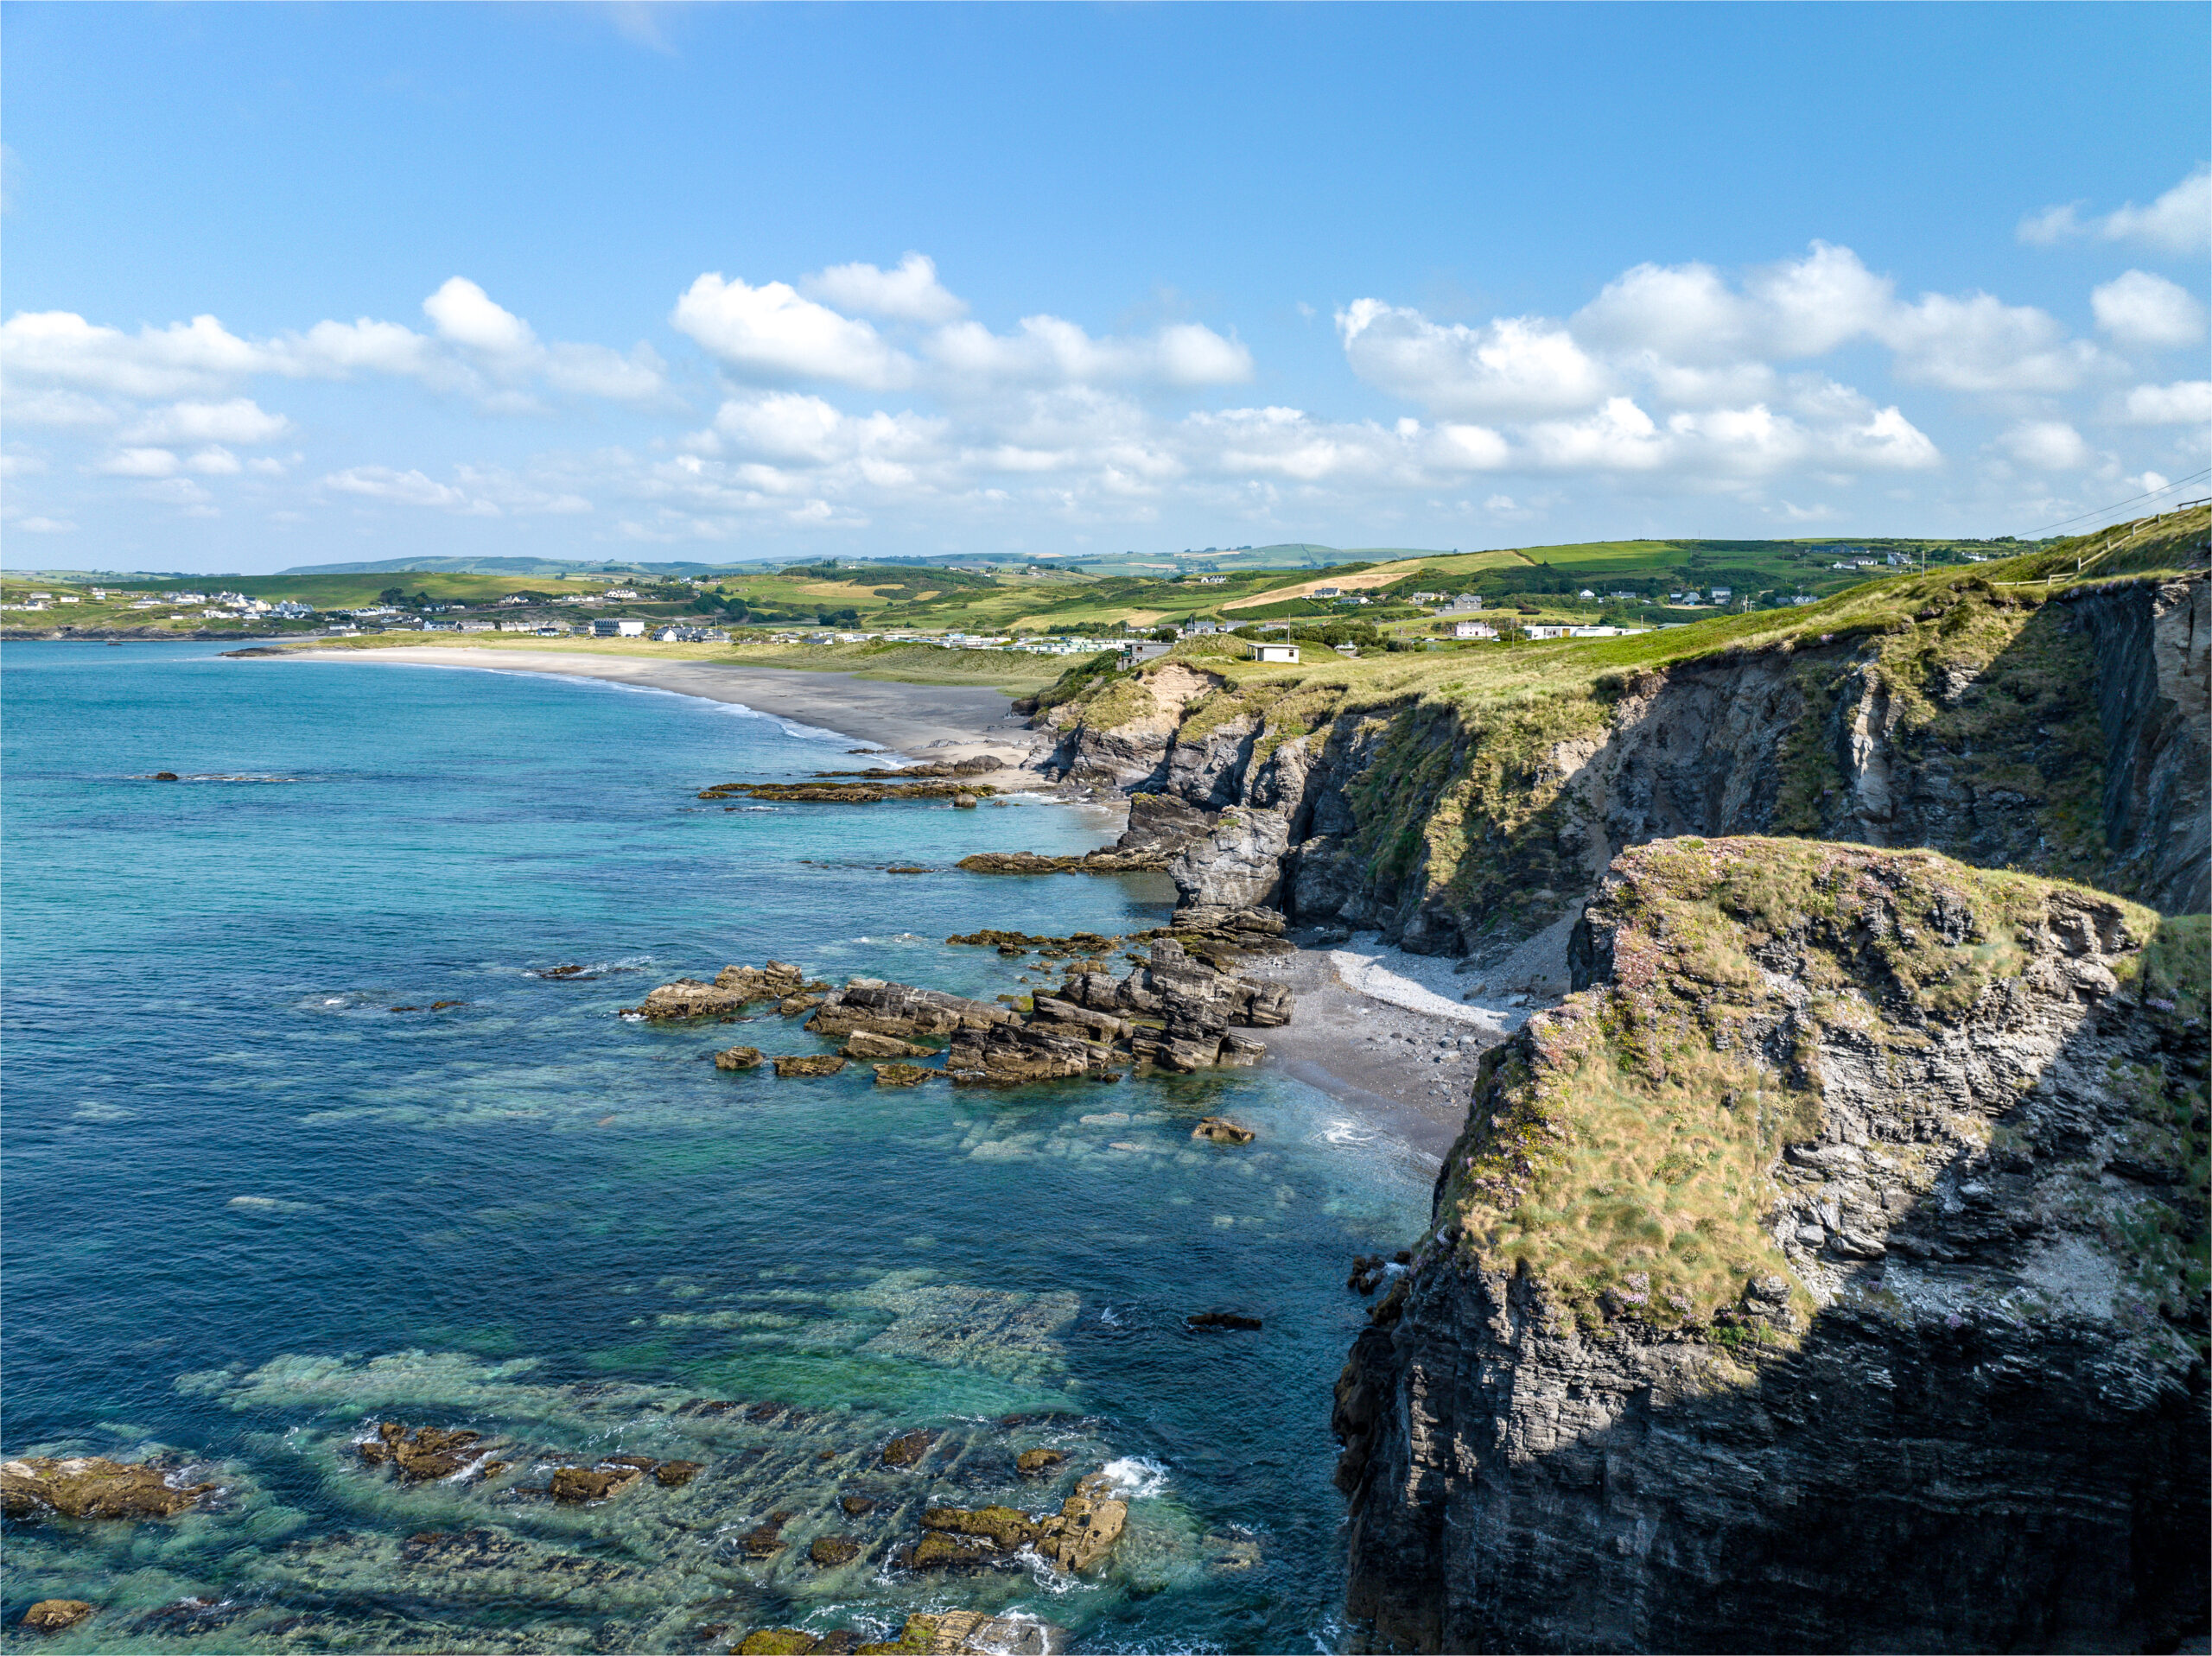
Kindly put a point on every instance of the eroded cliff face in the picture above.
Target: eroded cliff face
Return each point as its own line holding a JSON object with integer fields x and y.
{"x": 1827, "y": 1272}
{"x": 2070, "y": 737}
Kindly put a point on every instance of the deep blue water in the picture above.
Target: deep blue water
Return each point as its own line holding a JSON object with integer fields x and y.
{"x": 252, "y": 1209}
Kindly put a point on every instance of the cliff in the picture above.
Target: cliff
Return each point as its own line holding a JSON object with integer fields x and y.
{"x": 1462, "y": 803}
{"x": 1828, "y": 1271}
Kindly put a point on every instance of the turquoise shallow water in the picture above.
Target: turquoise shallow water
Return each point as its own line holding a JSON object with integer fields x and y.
{"x": 252, "y": 1209}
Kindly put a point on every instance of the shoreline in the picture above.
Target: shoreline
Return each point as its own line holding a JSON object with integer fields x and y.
{"x": 1366, "y": 1033}
{"x": 948, "y": 722}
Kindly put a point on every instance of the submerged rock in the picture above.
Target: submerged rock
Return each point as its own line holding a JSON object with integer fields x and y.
{"x": 1223, "y": 1130}
{"x": 87, "y": 1487}
{"x": 766, "y": 1540}
{"x": 580, "y": 1483}
{"x": 674, "y": 1474}
{"x": 829, "y": 1551}
{"x": 1040, "y": 1462}
{"x": 855, "y": 1506}
{"x": 53, "y": 1614}
{"x": 813, "y": 1063}
{"x": 970, "y": 1633}
{"x": 909, "y": 1448}
{"x": 777, "y": 1641}
{"x": 739, "y": 1057}
{"x": 1222, "y": 1320}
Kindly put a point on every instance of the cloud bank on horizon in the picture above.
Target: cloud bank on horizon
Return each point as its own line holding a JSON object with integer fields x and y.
{"x": 859, "y": 407}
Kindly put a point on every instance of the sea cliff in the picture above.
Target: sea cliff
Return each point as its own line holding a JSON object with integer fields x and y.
{"x": 1827, "y": 1272}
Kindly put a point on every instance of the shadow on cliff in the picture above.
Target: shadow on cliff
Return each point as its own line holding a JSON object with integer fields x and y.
{"x": 1945, "y": 1461}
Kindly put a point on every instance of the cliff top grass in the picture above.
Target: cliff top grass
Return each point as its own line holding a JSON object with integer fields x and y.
{"x": 1477, "y": 674}
{"x": 1623, "y": 1147}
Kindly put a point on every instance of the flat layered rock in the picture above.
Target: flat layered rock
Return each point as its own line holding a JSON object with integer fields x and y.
{"x": 810, "y": 1063}
{"x": 87, "y": 1487}
{"x": 739, "y": 1057}
{"x": 54, "y": 1614}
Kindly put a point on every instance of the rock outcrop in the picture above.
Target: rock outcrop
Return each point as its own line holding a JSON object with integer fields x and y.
{"x": 88, "y": 1487}
{"x": 734, "y": 988}
{"x": 1826, "y": 1272}
{"x": 2067, "y": 736}
{"x": 56, "y": 1614}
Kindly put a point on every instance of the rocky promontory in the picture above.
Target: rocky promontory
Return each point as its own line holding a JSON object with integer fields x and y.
{"x": 1828, "y": 1271}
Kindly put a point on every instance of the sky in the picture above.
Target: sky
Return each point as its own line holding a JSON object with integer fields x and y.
{"x": 290, "y": 284}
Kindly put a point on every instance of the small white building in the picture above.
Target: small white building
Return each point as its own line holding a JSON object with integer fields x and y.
{"x": 1200, "y": 629}
{"x": 618, "y": 629}
{"x": 1473, "y": 630}
{"x": 1275, "y": 652}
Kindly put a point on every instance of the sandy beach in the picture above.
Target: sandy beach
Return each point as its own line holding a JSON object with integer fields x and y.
{"x": 936, "y": 721}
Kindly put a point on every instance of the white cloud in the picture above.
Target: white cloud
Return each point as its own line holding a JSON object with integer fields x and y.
{"x": 2185, "y": 402}
{"x": 1048, "y": 350}
{"x": 409, "y": 488}
{"x": 139, "y": 462}
{"x": 911, "y": 293}
{"x": 62, "y": 346}
{"x": 238, "y": 421}
{"x": 214, "y": 461}
{"x": 44, "y": 525}
{"x": 2046, "y": 445}
{"x": 465, "y": 314}
{"x": 1981, "y": 344}
{"x": 2180, "y": 221}
{"x": 2139, "y": 308}
{"x": 178, "y": 492}
{"x": 202, "y": 357}
{"x": 770, "y": 332}
{"x": 1514, "y": 366}
{"x": 1687, "y": 316}
{"x": 58, "y": 408}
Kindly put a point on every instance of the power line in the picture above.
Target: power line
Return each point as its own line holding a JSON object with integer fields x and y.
{"x": 2164, "y": 488}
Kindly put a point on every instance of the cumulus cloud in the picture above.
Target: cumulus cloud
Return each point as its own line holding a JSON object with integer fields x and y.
{"x": 1515, "y": 366}
{"x": 2185, "y": 402}
{"x": 465, "y": 314}
{"x": 139, "y": 462}
{"x": 1981, "y": 344}
{"x": 2142, "y": 309}
{"x": 475, "y": 336}
{"x": 2179, "y": 221}
{"x": 911, "y": 293}
{"x": 241, "y": 420}
{"x": 1045, "y": 350}
{"x": 2045, "y": 445}
{"x": 409, "y": 488}
{"x": 770, "y": 332}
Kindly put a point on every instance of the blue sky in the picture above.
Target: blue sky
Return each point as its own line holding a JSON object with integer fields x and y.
{"x": 293, "y": 283}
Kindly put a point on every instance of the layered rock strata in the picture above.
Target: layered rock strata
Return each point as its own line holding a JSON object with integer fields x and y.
{"x": 2070, "y": 736}
{"x": 1826, "y": 1272}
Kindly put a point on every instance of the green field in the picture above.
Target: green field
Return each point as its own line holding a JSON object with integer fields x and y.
{"x": 1538, "y": 583}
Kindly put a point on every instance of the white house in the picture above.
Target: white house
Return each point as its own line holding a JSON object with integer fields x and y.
{"x": 1275, "y": 652}
{"x": 618, "y": 629}
{"x": 1721, "y": 594}
{"x": 1473, "y": 630}
{"x": 1585, "y": 592}
{"x": 292, "y": 610}
{"x": 1201, "y": 628}
{"x": 1327, "y": 592}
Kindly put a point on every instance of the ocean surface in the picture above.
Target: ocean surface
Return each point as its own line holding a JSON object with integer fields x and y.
{"x": 264, "y": 1192}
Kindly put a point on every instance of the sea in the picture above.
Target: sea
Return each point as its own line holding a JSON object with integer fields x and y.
{"x": 306, "y": 1130}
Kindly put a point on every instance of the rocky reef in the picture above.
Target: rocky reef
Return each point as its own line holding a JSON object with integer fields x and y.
{"x": 89, "y": 1487}
{"x": 1827, "y": 1271}
{"x": 1179, "y": 1007}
